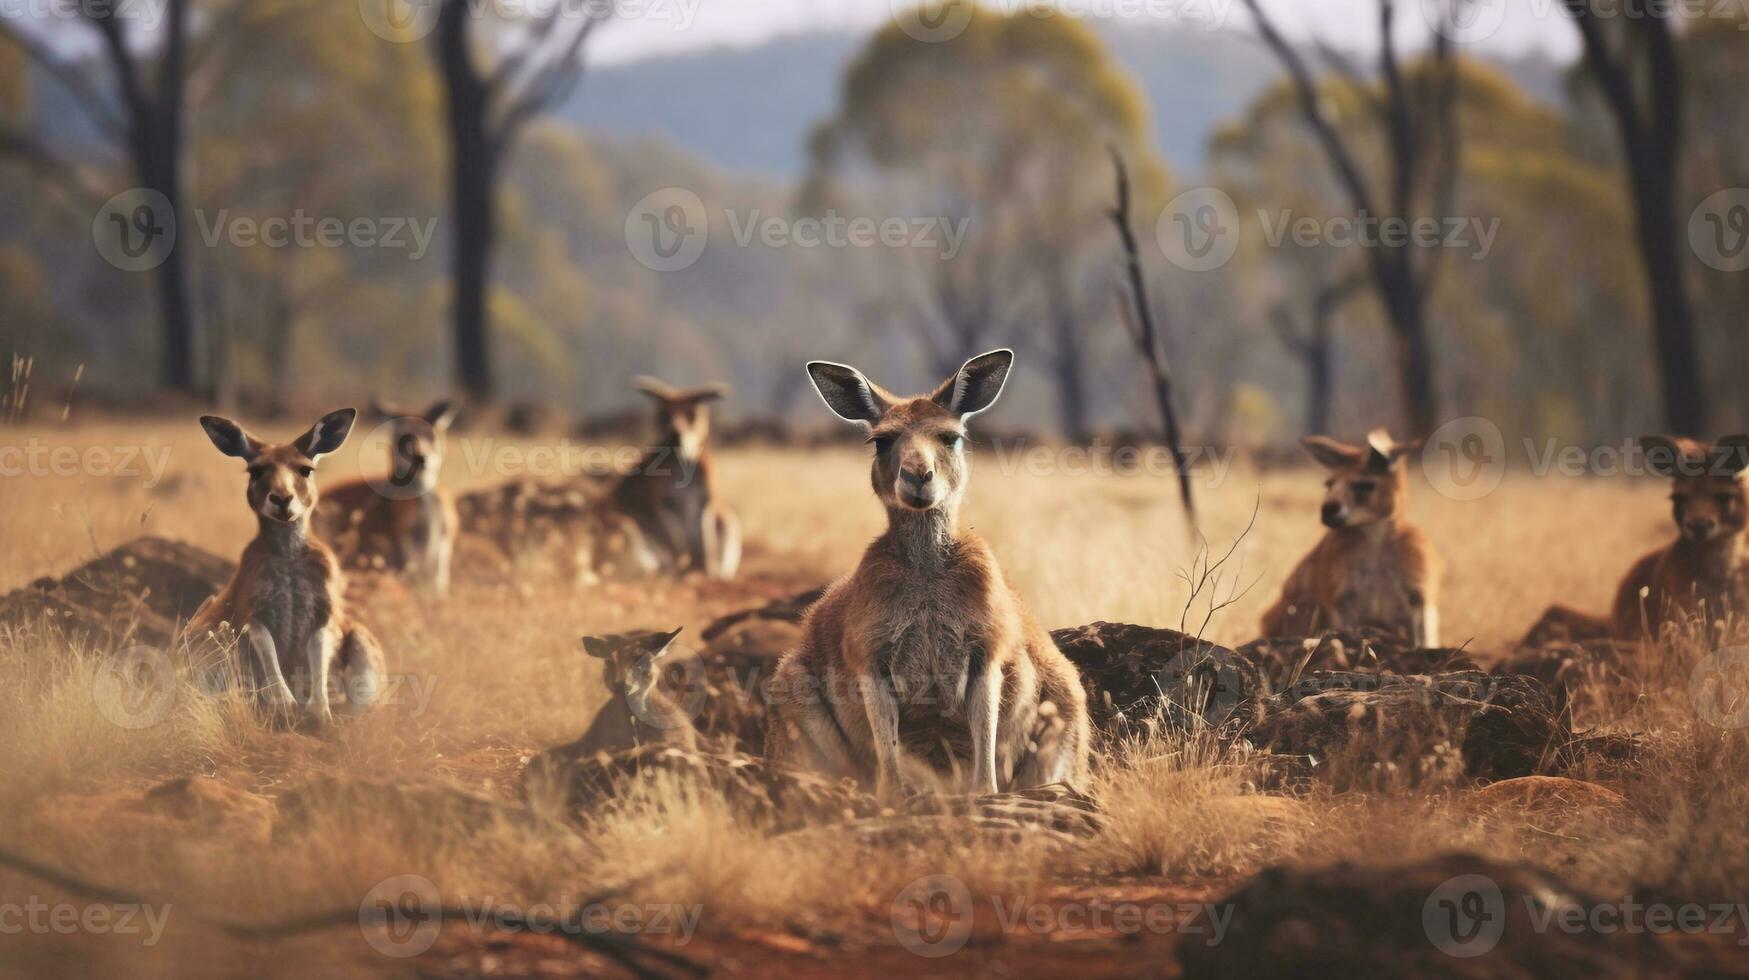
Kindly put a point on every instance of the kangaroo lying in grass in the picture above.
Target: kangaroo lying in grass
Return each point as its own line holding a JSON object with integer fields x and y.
{"x": 288, "y": 596}
{"x": 1706, "y": 567}
{"x": 637, "y": 711}
{"x": 926, "y": 654}
{"x": 1372, "y": 568}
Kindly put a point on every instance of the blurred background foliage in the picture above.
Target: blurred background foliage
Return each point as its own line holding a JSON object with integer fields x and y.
{"x": 296, "y": 105}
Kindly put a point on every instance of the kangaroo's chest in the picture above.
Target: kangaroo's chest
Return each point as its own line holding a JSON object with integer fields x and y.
{"x": 927, "y": 645}
{"x": 1371, "y": 585}
{"x": 293, "y": 609}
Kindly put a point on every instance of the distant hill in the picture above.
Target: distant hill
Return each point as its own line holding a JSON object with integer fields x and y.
{"x": 750, "y": 109}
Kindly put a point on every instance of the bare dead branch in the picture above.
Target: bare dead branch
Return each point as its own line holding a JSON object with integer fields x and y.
{"x": 1147, "y": 339}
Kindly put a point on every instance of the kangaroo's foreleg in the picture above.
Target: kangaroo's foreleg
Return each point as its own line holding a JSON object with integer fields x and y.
{"x": 882, "y": 709}
{"x": 983, "y": 712}
{"x": 320, "y": 651}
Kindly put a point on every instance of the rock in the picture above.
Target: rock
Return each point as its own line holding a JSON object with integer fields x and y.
{"x": 1555, "y": 795}
{"x": 1357, "y": 650}
{"x": 140, "y": 593}
{"x": 1136, "y": 676}
{"x": 1457, "y": 915}
{"x": 1578, "y": 674}
{"x": 1376, "y": 730}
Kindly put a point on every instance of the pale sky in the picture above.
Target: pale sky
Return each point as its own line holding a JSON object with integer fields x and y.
{"x": 656, "y": 27}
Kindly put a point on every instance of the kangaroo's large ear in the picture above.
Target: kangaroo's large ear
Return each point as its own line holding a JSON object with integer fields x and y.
{"x": 1330, "y": 453}
{"x": 1384, "y": 452}
{"x": 658, "y": 644}
{"x": 850, "y": 395}
{"x": 655, "y": 388}
{"x": 977, "y": 385}
{"x": 598, "y": 646}
{"x": 328, "y": 434}
{"x": 708, "y": 393}
{"x": 1731, "y": 454}
{"x": 230, "y": 437}
{"x": 1664, "y": 454}
{"x": 440, "y": 414}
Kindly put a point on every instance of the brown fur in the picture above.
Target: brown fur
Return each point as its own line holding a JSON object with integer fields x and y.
{"x": 637, "y": 712}
{"x": 1372, "y": 568}
{"x": 926, "y": 654}
{"x": 404, "y": 521}
{"x": 1707, "y": 565}
{"x": 287, "y": 598}
{"x": 670, "y": 494}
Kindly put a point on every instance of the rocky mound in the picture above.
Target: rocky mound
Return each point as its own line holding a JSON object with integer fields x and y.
{"x": 1138, "y": 677}
{"x": 139, "y": 593}
{"x": 1453, "y": 916}
{"x": 1374, "y": 730}
{"x": 1349, "y": 650}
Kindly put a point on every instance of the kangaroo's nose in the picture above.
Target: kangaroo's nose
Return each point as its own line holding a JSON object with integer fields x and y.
{"x": 1700, "y": 526}
{"x": 279, "y": 500}
{"x": 916, "y": 479}
{"x": 1332, "y": 513}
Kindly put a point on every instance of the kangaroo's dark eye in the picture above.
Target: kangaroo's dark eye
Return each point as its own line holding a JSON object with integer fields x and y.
{"x": 1725, "y": 500}
{"x": 1364, "y": 488}
{"x": 881, "y": 443}
{"x": 952, "y": 440}
{"x": 305, "y": 471}
{"x": 257, "y": 472}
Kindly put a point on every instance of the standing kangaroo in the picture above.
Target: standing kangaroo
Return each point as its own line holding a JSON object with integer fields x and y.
{"x": 287, "y": 597}
{"x": 926, "y": 651}
{"x": 637, "y": 712}
{"x": 670, "y": 496}
{"x": 403, "y": 520}
{"x": 1372, "y": 568}
{"x": 1706, "y": 566}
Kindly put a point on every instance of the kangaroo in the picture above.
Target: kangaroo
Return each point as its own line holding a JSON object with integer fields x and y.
{"x": 1707, "y": 566}
{"x": 402, "y": 521}
{"x": 287, "y": 597}
{"x": 637, "y": 712}
{"x": 1372, "y": 568}
{"x": 669, "y": 494}
{"x": 925, "y": 653}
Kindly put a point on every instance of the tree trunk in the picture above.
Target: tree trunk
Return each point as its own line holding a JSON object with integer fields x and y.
{"x": 1320, "y": 383}
{"x": 1069, "y": 365}
{"x": 472, "y": 168}
{"x": 1414, "y": 355}
{"x": 1661, "y": 248}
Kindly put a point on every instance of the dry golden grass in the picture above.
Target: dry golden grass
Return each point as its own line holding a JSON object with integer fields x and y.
{"x": 500, "y": 676}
